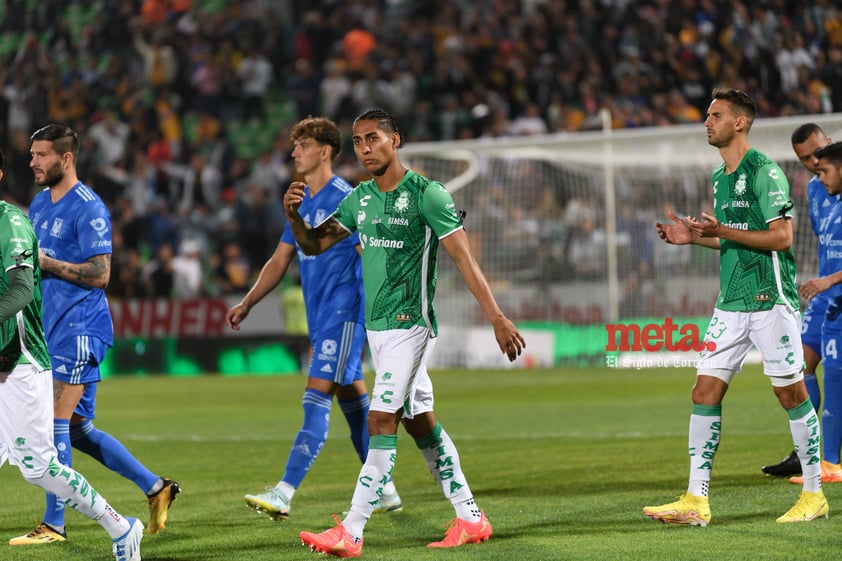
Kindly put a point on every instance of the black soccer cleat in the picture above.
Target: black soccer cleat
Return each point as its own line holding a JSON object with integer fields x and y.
{"x": 787, "y": 467}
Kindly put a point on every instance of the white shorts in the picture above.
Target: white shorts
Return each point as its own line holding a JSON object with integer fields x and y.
{"x": 776, "y": 333}
{"x": 401, "y": 379}
{"x": 26, "y": 419}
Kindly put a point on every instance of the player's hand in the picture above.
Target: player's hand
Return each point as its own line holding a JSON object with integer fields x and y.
{"x": 235, "y": 316}
{"x": 812, "y": 287}
{"x": 511, "y": 342}
{"x": 293, "y": 197}
{"x": 707, "y": 227}
{"x": 676, "y": 234}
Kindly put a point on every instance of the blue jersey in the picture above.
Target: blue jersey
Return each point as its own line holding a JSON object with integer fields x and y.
{"x": 74, "y": 229}
{"x": 830, "y": 244}
{"x": 331, "y": 281}
{"x": 820, "y": 206}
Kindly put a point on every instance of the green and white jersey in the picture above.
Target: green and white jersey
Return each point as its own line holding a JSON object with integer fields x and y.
{"x": 399, "y": 236}
{"x": 751, "y": 197}
{"x": 22, "y": 336}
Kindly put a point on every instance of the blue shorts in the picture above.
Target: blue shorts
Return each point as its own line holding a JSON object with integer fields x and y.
{"x": 811, "y": 322}
{"x": 77, "y": 362}
{"x": 337, "y": 353}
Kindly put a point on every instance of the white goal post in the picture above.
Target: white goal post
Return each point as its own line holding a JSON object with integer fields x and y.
{"x": 563, "y": 224}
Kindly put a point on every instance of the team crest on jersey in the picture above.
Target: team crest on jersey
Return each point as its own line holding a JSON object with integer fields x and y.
{"x": 99, "y": 225}
{"x": 402, "y": 202}
{"x": 329, "y": 347}
{"x": 740, "y": 186}
{"x": 320, "y": 215}
{"x": 55, "y": 231}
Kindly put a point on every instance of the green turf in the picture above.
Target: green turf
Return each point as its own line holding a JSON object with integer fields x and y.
{"x": 562, "y": 461}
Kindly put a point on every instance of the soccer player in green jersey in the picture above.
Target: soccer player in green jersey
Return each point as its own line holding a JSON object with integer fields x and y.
{"x": 401, "y": 217}
{"x": 26, "y": 388}
{"x": 757, "y": 305}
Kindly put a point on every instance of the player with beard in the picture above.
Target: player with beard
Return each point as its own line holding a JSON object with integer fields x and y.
{"x": 73, "y": 228}
{"x": 757, "y": 305}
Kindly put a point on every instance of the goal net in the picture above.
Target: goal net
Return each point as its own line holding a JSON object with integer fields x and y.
{"x": 564, "y": 225}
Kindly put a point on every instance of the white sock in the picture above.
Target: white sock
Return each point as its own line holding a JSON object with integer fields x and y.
{"x": 285, "y": 488}
{"x": 806, "y": 436}
{"x": 704, "y": 435}
{"x": 443, "y": 462}
{"x": 374, "y": 474}
{"x": 71, "y": 486}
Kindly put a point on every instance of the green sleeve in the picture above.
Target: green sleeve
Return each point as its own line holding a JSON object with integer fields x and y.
{"x": 773, "y": 193}
{"x": 20, "y": 292}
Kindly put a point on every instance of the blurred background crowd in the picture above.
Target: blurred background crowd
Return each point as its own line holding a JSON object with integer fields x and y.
{"x": 184, "y": 107}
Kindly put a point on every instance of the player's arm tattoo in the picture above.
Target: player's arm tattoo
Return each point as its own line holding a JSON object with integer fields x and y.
{"x": 95, "y": 272}
{"x": 313, "y": 241}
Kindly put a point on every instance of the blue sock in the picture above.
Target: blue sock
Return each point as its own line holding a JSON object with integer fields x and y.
{"x": 54, "y": 513}
{"x": 812, "y": 383}
{"x": 356, "y": 413}
{"x": 111, "y": 453}
{"x": 832, "y": 415}
{"x": 311, "y": 438}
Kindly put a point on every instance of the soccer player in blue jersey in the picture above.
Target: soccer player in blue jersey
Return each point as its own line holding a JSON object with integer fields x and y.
{"x": 806, "y": 139}
{"x": 73, "y": 228}
{"x": 829, "y": 287}
{"x": 333, "y": 298}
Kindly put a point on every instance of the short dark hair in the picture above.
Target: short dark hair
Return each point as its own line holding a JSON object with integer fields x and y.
{"x": 63, "y": 138}
{"x": 802, "y": 133}
{"x": 324, "y": 131}
{"x": 385, "y": 121}
{"x": 2, "y": 161}
{"x": 739, "y": 100}
{"x": 832, "y": 153}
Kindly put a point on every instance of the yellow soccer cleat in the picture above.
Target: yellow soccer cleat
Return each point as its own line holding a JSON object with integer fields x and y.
{"x": 159, "y": 506}
{"x": 41, "y": 535}
{"x": 688, "y": 509}
{"x": 808, "y": 507}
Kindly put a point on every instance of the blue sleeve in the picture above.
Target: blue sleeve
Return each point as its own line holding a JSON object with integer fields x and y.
{"x": 93, "y": 230}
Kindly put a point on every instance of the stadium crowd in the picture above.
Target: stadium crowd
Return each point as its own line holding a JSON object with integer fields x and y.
{"x": 184, "y": 106}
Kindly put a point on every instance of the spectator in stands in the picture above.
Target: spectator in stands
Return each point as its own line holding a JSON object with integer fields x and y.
{"x": 255, "y": 73}
{"x": 160, "y": 62}
{"x": 188, "y": 270}
{"x": 563, "y": 59}
{"x": 231, "y": 269}
{"x": 196, "y": 184}
{"x": 157, "y": 274}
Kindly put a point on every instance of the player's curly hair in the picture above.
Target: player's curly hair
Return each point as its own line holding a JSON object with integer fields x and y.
{"x": 385, "y": 121}
{"x": 322, "y": 130}
{"x": 63, "y": 138}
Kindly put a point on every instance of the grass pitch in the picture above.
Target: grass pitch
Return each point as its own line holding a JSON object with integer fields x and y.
{"x": 562, "y": 461}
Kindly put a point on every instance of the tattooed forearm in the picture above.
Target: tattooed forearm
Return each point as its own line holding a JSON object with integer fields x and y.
{"x": 94, "y": 272}
{"x": 313, "y": 241}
